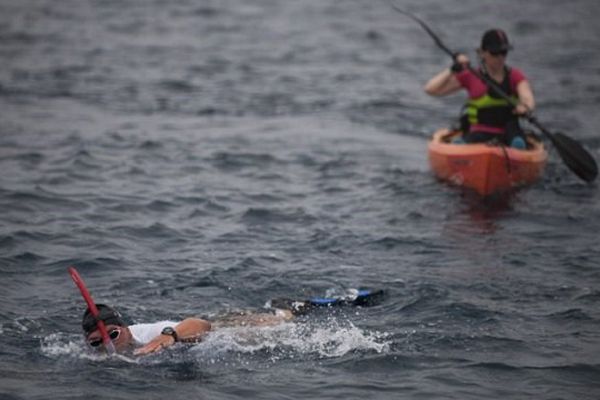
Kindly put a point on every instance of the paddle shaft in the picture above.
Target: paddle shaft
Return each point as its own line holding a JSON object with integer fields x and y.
{"x": 108, "y": 344}
{"x": 572, "y": 153}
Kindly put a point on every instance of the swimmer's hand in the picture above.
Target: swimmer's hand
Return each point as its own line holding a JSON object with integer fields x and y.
{"x": 155, "y": 345}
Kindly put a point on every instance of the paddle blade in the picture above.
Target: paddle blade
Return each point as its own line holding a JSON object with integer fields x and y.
{"x": 576, "y": 157}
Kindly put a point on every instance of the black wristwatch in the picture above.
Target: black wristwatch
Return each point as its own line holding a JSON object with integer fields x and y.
{"x": 170, "y": 331}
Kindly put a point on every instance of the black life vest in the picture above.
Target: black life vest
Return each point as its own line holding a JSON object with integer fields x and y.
{"x": 491, "y": 109}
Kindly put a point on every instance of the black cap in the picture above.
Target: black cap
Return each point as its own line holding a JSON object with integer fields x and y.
{"x": 106, "y": 314}
{"x": 495, "y": 40}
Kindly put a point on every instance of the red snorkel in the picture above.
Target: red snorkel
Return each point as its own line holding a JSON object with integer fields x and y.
{"x": 108, "y": 344}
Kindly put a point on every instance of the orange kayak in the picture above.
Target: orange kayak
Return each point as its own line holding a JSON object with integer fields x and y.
{"x": 485, "y": 168}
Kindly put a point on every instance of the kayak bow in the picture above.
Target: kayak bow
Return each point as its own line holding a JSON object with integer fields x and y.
{"x": 485, "y": 168}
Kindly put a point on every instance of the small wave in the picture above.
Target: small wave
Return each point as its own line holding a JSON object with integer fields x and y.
{"x": 41, "y": 200}
{"x": 264, "y": 215}
{"x": 577, "y": 368}
{"x": 29, "y": 257}
{"x": 29, "y": 158}
{"x": 177, "y": 86}
{"x": 574, "y": 314}
{"x": 151, "y": 145}
{"x": 389, "y": 243}
{"x": 7, "y": 242}
{"x": 496, "y": 366}
{"x": 469, "y": 311}
{"x": 590, "y": 297}
{"x": 206, "y": 11}
{"x": 233, "y": 161}
{"x": 20, "y": 37}
{"x": 160, "y": 206}
{"x": 156, "y": 230}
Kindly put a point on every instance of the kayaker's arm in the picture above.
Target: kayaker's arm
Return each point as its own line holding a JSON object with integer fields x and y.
{"x": 445, "y": 82}
{"x": 526, "y": 98}
{"x": 442, "y": 84}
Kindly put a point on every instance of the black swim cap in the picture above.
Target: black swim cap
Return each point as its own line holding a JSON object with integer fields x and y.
{"x": 108, "y": 315}
{"x": 495, "y": 40}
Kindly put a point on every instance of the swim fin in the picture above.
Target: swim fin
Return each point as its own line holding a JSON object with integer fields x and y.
{"x": 363, "y": 298}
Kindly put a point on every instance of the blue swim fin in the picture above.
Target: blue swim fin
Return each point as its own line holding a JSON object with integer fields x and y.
{"x": 363, "y": 298}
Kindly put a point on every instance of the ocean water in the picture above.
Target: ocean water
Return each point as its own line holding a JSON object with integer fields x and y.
{"x": 195, "y": 157}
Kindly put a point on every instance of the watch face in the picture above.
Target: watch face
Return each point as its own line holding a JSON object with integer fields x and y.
{"x": 169, "y": 331}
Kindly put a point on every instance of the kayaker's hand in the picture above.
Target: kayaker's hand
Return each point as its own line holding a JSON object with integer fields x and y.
{"x": 461, "y": 61}
{"x": 521, "y": 110}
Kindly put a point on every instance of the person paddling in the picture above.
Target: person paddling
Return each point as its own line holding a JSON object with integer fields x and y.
{"x": 488, "y": 116}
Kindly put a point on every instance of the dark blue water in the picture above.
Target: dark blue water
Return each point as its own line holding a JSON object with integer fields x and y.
{"x": 196, "y": 157}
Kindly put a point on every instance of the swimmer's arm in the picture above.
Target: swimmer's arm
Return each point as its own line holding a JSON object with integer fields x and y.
{"x": 188, "y": 330}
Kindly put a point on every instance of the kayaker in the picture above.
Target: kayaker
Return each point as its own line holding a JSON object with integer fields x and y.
{"x": 487, "y": 116}
{"x": 152, "y": 337}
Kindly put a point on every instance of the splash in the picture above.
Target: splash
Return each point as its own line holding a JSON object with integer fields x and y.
{"x": 58, "y": 345}
{"x": 292, "y": 340}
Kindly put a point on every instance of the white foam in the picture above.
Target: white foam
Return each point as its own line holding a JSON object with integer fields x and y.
{"x": 323, "y": 340}
{"x": 58, "y": 345}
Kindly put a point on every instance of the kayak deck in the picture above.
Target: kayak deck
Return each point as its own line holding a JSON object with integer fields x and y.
{"x": 485, "y": 168}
